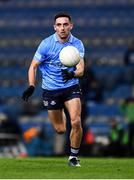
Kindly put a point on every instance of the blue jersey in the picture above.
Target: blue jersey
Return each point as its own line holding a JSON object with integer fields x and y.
{"x": 48, "y": 56}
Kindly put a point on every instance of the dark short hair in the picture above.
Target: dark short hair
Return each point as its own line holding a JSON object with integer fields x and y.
{"x": 62, "y": 14}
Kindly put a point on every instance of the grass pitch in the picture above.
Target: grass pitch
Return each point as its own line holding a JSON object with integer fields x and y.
{"x": 57, "y": 168}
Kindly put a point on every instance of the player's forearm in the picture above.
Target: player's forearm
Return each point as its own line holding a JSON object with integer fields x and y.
{"x": 79, "y": 69}
{"x": 32, "y": 75}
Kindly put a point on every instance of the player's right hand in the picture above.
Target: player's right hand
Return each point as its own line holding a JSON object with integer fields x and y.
{"x": 67, "y": 74}
{"x": 27, "y": 93}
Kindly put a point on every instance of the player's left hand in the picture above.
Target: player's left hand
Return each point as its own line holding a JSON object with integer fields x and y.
{"x": 67, "y": 74}
{"x": 27, "y": 93}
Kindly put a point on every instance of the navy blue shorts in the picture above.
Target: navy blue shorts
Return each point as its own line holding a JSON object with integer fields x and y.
{"x": 55, "y": 99}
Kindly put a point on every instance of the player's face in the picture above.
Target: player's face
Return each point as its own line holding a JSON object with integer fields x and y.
{"x": 63, "y": 27}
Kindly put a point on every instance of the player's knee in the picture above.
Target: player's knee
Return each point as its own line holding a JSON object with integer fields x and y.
{"x": 60, "y": 130}
{"x": 76, "y": 124}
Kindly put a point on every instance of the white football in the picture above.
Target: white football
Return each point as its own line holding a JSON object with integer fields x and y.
{"x": 69, "y": 56}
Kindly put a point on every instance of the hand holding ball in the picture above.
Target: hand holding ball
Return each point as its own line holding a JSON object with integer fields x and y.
{"x": 69, "y": 56}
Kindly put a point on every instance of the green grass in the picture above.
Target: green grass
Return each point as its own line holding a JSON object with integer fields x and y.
{"x": 52, "y": 168}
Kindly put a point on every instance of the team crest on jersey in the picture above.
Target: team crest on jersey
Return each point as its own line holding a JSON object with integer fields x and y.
{"x": 45, "y": 103}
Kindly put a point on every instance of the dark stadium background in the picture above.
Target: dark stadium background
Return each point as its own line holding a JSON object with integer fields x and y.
{"x": 106, "y": 28}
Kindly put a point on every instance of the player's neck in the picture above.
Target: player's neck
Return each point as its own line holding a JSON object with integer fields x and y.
{"x": 63, "y": 40}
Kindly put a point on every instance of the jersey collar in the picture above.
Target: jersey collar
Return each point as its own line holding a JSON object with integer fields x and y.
{"x": 69, "y": 40}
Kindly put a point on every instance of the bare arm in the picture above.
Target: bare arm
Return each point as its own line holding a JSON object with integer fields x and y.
{"x": 79, "y": 69}
{"x": 32, "y": 72}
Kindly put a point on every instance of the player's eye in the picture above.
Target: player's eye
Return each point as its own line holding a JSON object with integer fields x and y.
{"x": 66, "y": 24}
{"x": 58, "y": 24}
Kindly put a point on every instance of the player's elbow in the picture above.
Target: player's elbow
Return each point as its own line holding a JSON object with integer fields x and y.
{"x": 81, "y": 73}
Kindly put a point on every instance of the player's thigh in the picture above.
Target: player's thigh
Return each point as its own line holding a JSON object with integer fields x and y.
{"x": 56, "y": 117}
{"x": 74, "y": 108}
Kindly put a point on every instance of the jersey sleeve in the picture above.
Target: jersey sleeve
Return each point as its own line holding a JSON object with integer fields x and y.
{"x": 41, "y": 52}
{"x": 81, "y": 48}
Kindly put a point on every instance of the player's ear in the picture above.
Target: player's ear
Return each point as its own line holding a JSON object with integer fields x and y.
{"x": 72, "y": 26}
{"x": 54, "y": 27}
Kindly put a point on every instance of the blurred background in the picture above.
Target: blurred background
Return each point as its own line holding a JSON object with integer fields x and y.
{"x": 107, "y": 30}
